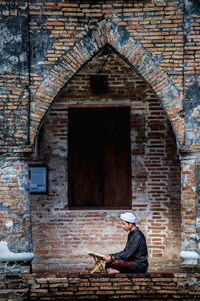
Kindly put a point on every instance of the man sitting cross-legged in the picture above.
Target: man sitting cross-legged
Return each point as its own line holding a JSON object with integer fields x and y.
{"x": 134, "y": 258}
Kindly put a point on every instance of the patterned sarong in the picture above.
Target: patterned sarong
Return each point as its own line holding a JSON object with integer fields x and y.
{"x": 122, "y": 266}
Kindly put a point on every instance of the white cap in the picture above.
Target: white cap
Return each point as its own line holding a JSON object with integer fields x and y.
{"x": 128, "y": 217}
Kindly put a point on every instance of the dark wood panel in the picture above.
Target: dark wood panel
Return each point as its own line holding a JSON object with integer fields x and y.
{"x": 117, "y": 159}
{"x": 99, "y": 157}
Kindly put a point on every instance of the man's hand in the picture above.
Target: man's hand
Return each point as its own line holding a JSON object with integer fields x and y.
{"x": 107, "y": 258}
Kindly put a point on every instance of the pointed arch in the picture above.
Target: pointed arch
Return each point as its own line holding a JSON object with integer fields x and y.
{"x": 142, "y": 61}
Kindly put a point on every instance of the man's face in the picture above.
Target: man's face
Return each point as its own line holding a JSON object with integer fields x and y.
{"x": 126, "y": 226}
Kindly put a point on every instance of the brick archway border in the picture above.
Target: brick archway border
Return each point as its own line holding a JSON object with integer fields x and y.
{"x": 133, "y": 53}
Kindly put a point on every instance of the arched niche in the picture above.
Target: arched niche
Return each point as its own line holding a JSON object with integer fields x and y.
{"x": 155, "y": 173}
{"x": 131, "y": 50}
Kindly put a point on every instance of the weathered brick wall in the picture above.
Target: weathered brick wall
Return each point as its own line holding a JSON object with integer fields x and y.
{"x": 14, "y": 78}
{"x": 191, "y": 72}
{"x": 149, "y": 35}
{"x": 148, "y": 287}
{"x": 62, "y": 236}
{"x": 15, "y": 224}
{"x": 63, "y": 286}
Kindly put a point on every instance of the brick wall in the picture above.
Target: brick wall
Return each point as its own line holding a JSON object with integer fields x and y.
{"x": 191, "y": 79}
{"x": 148, "y": 35}
{"x": 63, "y": 286}
{"x": 15, "y": 235}
{"x": 62, "y": 236}
{"x": 14, "y": 79}
{"x": 166, "y": 33}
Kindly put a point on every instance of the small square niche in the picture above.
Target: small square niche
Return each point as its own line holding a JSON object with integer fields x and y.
{"x": 98, "y": 83}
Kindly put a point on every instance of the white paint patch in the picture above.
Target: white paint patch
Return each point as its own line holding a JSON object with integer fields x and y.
{"x": 9, "y": 224}
{"x": 7, "y": 255}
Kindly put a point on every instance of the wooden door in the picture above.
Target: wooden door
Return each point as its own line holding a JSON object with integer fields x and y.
{"x": 99, "y": 158}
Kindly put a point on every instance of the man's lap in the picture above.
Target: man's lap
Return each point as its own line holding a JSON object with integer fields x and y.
{"x": 124, "y": 266}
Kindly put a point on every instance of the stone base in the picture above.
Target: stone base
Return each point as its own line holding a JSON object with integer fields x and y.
{"x": 189, "y": 257}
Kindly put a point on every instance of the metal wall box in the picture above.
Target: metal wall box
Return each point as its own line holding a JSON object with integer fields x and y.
{"x": 38, "y": 180}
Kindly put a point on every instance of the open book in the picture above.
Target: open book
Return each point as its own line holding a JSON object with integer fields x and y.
{"x": 91, "y": 253}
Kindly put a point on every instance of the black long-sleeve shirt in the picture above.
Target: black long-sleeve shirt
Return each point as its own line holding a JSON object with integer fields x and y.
{"x": 135, "y": 251}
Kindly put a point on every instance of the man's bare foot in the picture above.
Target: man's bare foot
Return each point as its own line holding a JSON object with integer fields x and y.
{"x": 112, "y": 271}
